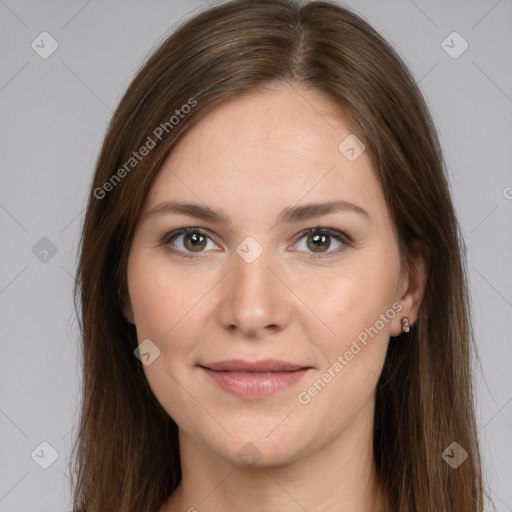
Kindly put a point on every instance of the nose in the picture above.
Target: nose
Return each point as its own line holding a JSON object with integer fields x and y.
{"x": 255, "y": 299}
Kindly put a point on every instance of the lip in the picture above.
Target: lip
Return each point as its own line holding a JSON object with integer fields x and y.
{"x": 254, "y": 379}
{"x": 266, "y": 365}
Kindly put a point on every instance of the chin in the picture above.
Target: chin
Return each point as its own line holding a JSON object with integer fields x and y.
{"x": 261, "y": 451}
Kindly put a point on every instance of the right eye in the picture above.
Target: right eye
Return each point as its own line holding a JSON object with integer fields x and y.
{"x": 191, "y": 240}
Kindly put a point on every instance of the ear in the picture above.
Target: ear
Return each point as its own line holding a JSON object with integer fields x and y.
{"x": 412, "y": 287}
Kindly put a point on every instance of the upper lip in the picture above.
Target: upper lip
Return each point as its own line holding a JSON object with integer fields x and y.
{"x": 266, "y": 365}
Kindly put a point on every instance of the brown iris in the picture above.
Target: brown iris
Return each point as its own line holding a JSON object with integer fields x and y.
{"x": 197, "y": 241}
{"x": 316, "y": 240}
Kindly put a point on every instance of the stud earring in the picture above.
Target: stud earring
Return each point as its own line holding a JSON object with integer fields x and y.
{"x": 405, "y": 324}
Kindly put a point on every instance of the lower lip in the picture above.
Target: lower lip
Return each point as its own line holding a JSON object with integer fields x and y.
{"x": 255, "y": 385}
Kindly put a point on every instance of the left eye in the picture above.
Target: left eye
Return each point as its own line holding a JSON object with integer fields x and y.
{"x": 318, "y": 241}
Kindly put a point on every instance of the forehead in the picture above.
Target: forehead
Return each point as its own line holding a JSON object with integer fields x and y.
{"x": 267, "y": 150}
{"x": 283, "y": 123}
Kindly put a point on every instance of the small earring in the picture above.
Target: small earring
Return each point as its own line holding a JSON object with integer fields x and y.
{"x": 405, "y": 324}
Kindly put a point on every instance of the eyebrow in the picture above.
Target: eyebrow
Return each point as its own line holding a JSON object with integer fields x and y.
{"x": 289, "y": 214}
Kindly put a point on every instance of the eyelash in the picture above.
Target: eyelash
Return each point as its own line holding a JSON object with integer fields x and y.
{"x": 338, "y": 235}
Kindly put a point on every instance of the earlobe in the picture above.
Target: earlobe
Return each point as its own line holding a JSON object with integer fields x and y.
{"x": 405, "y": 324}
{"x": 412, "y": 290}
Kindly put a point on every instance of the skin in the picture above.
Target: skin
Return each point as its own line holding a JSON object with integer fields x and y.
{"x": 250, "y": 158}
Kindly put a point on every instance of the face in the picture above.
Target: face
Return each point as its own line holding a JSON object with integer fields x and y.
{"x": 262, "y": 275}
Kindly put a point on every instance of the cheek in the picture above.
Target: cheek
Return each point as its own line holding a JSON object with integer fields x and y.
{"x": 357, "y": 305}
{"x": 169, "y": 309}
{"x": 152, "y": 306}
{"x": 163, "y": 313}
{"x": 158, "y": 297}
{"x": 352, "y": 300}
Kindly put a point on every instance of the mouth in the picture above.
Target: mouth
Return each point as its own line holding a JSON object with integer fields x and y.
{"x": 254, "y": 379}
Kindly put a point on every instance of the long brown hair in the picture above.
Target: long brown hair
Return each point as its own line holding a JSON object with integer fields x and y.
{"x": 126, "y": 452}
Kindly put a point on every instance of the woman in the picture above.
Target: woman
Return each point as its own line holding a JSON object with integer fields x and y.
{"x": 272, "y": 291}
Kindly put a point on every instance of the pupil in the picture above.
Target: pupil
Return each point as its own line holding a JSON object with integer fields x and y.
{"x": 195, "y": 240}
{"x": 319, "y": 240}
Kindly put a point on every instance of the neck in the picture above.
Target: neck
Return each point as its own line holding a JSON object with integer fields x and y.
{"x": 339, "y": 476}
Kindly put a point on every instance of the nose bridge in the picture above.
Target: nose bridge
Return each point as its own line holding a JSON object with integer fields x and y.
{"x": 255, "y": 296}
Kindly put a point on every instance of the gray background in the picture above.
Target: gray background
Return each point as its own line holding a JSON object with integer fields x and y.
{"x": 54, "y": 113}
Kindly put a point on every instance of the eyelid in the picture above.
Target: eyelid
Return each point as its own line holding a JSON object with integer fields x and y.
{"x": 340, "y": 236}
{"x": 182, "y": 231}
{"x": 172, "y": 235}
{"x": 335, "y": 233}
